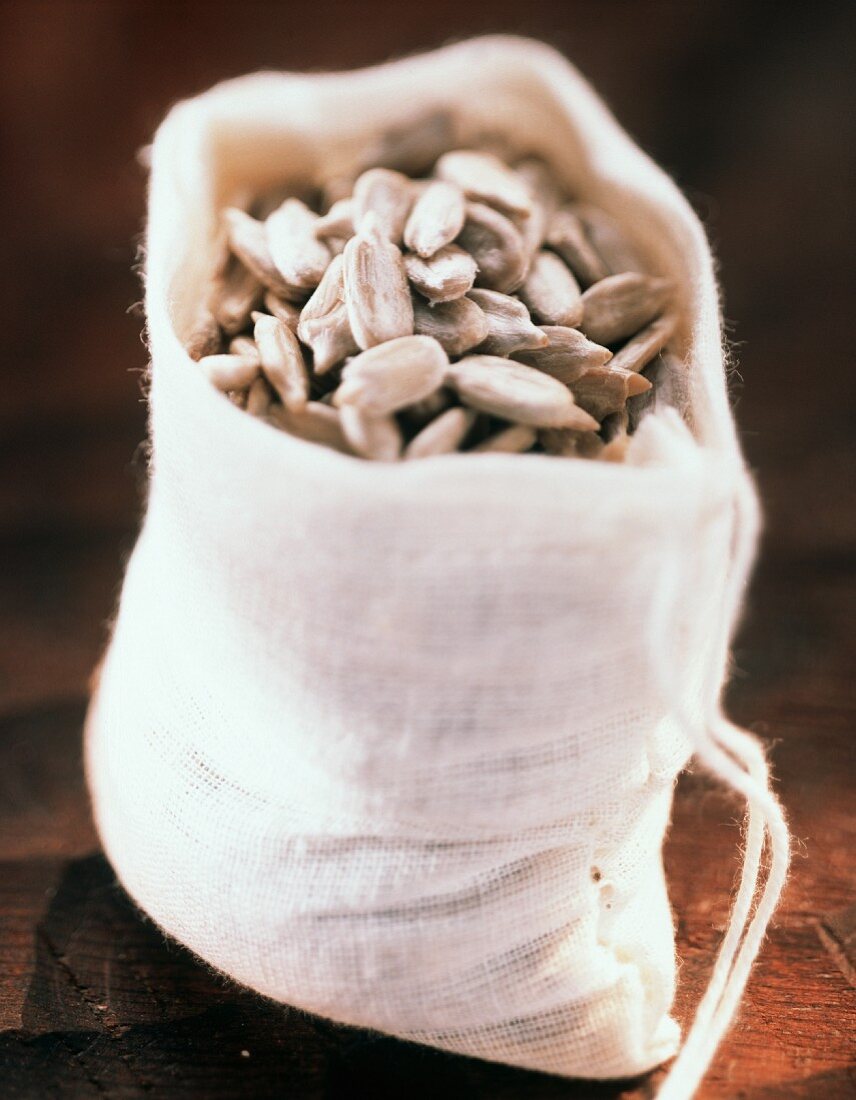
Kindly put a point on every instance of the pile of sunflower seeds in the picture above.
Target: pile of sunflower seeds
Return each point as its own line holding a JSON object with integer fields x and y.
{"x": 473, "y": 308}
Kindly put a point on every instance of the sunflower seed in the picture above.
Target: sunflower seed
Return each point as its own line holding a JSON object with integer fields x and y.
{"x": 483, "y": 177}
{"x": 376, "y": 290}
{"x": 638, "y": 352}
{"x": 456, "y": 326}
{"x": 282, "y": 360}
{"x": 337, "y": 222}
{"x": 609, "y": 240}
{"x": 619, "y": 305}
{"x": 436, "y": 219}
{"x": 316, "y": 423}
{"x": 375, "y": 437}
{"x": 245, "y": 346}
{"x": 329, "y": 293}
{"x": 510, "y": 327}
{"x": 230, "y": 372}
{"x": 204, "y": 337}
{"x": 387, "y": 194}
{"x": 443, "y": 435}
{"x": 248, "y": 241}
{"x": 258, "y": 397}
{"x": 512, "y": 440}
{"x": 330, "y": 338}
{"x": 300, "y": 257}
{"x": 324, "y": 324}
{"x": 546, "y": 200}
{"x": 566, "y": 235}
{"x": 447, "y": 275}
{"x": 551, "y": 292}
{"x": 569, "y": 443}
{"x": 541, "y": 183}
{"x": 393, "y": 375}
{"x": 604, "y": 390}
{"x": 668, "y": 377}
{"x": 496, "y": 246}
{"x": 515, "y": 392}
{"x": 287, "y": 312}
{"x": 567, "y": 354}
{"x": 236, "y": 294}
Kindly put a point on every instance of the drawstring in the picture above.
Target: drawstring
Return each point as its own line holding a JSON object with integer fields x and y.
{"x": 736, "y": 758}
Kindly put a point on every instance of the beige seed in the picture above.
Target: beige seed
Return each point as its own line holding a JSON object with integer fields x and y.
{"x": 669, "y": 379}
{"x": 546, "y": 200}
{"x": 287, "y": 312}
{"x": 566, "y": 235}
{"x": 443, "y": 435}
{"x": 282, "y": 360}
{"x": 387, "y": 194}
{"x": 244, "y": 345}
{"x": 324, "y": 324}
{"x": 457, "y": 326}
{"x": 610, "y": 241}
{"x": 568, "y": 443}
{"x": 299, "y": 256}
{"x": 447, "y": 275}
{"x": 551, "y": 292}
{"x": 236, "y": 294}
{"x": 483, "y": 177}
{"x": 516, "y": 392}
{"x": 605, "y": 390}
{"x": 533, "y": 232}
{"x": 374, "y": 437}
{"x": 567, "y": 354}
{"x": 248, "y": 241}
{"x": 330, "y": 338}
{"x": 376, "y": 290}
{"x": 230, "y": 372}
{"x": 315, "y": 423}
{"x": 337, "y": 222}
{"x": 258, "y": 397}
{"x": 329, "y": 293}
{"x": 204, "y": 337}
{"x": 509, "y": 325}
{"x": 620, "y": 305}
{"x": 496, "y": 246}
{"x": 541, "y": 182}
{"x": 512, "y": 440}
{"x": 393, "y": 375}
{"x": 638, "y": 352}
{"x": 436, "y": 219}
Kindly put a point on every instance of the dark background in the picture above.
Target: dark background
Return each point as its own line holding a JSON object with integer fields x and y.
{"x": 750, "y": 107}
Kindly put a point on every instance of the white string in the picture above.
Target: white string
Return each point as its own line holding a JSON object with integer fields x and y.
{"x": 738, "y": 759}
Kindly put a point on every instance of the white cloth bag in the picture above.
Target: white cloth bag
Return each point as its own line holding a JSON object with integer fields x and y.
{"x": 397, "y": 744}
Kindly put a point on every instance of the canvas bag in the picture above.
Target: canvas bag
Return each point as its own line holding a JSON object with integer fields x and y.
{"x": 397, "y": 744}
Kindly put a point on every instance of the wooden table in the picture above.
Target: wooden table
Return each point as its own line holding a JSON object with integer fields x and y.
{"x": 93, "y": 1000}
